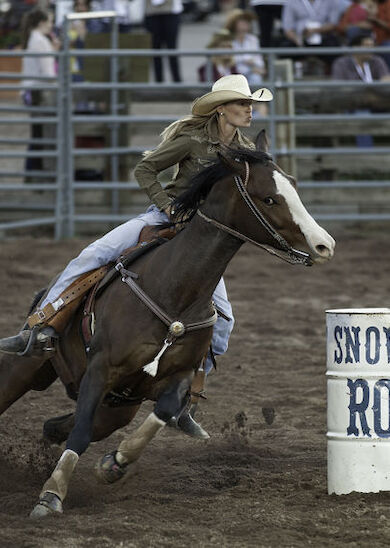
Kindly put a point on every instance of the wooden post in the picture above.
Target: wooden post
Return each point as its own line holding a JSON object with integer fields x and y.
{"x": 285, "y": 105}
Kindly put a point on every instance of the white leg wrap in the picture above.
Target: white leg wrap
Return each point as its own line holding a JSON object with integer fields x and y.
{"x": 130, "y": 449}
{"x": 59, "y": 480}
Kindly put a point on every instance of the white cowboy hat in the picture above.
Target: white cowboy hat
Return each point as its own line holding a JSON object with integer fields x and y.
{"x": 228, "y": 88}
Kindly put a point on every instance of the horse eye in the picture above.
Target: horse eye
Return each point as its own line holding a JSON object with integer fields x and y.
{"x": 269, "y": 201}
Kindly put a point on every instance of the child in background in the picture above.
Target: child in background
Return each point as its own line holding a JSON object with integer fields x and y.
{"x": 239, "y": 24}
{"x": 221, "y": 65}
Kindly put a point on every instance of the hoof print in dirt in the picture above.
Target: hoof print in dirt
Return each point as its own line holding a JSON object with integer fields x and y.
{"x": 241, "y": 419}
{"x": 268, "y": 414}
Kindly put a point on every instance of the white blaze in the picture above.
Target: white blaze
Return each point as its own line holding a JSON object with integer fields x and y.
{"x": 314, "y": 234}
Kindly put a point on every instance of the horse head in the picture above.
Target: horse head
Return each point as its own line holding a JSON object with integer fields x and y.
{"x": 248, "y": 195}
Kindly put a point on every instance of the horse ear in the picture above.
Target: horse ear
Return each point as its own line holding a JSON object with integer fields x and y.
{"x": 262, "y": 142}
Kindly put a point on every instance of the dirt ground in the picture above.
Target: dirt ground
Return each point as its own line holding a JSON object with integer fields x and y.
{"x": 252, "y": 483}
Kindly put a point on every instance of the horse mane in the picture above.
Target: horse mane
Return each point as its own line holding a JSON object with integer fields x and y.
{"x": 186, "y": 204}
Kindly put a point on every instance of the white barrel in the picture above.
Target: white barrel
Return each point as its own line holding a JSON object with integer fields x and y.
{"x": 358, "y": 375}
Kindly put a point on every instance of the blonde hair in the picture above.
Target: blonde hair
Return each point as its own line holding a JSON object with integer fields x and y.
{"x": 193, "y": 121}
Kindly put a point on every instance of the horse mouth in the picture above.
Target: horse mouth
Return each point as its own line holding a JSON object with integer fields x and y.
{"x": 322, "y": 258}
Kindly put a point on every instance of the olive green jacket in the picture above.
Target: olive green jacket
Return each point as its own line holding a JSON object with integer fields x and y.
{"x": 192, "y": 150}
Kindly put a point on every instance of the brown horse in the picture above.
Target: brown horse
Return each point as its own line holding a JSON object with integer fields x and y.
{"x": 244, "y": 196}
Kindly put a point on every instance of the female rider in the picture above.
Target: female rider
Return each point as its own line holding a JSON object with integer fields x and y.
{"x": 192, "y": 143}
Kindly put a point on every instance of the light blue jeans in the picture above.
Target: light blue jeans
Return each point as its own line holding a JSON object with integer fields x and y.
{"x": 110, "y": 246}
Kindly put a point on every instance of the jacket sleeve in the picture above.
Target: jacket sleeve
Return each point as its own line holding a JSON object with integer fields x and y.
{"x": 167, "y": 154}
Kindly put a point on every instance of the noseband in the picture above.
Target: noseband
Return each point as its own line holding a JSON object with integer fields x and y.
{"x": 286, "y": 252}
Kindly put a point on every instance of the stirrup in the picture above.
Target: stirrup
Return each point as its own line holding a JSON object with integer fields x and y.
{"x": 48, "y": 332}
{"x": 31, "y": 342}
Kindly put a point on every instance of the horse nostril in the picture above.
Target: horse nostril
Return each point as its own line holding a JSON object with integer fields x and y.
{"x": 322, "y": 250}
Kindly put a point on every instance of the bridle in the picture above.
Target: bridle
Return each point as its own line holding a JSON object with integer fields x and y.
{"x": 286, "y": 252}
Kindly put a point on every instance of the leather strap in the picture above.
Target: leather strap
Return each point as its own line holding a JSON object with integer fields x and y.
{"x": 287, "y": 253}
{"x": 128, "y": 278}
{"x": 73, "y": 292}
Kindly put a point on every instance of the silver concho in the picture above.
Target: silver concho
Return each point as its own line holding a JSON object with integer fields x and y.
{"x": 176, "y": 329}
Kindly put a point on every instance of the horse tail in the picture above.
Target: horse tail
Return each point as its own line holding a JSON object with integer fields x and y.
{"x": 38, "y": 296}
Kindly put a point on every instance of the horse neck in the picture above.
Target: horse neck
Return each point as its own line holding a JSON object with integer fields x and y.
{"x": 198, "y": 257}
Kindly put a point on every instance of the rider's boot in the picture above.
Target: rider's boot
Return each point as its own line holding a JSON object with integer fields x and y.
{"x": 42, "y": 327}
{"x": 186, "y": 422}
{"x": 29, "y": 342}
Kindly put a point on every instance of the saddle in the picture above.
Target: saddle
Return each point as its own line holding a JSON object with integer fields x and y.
{"x": 59, "y": 313}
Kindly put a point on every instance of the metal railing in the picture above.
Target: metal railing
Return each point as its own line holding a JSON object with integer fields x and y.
{"x": 62, "y": 183}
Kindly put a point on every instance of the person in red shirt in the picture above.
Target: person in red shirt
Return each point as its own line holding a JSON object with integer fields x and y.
{"x": 381, "y": 24}
{"x": 354, "y": 20}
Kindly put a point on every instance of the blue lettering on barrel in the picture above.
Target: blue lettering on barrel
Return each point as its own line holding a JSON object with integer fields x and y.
{"x": 387, "y": 333}
{"x": 358, "y": 408}
{"x": 369, "y": 346}
{"x": 352, "y": 344}
{"x": 379, "y": 431}
{"x": 338, "y": 335}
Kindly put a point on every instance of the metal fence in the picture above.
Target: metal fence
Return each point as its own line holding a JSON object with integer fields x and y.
{"x": 61, "y": 182}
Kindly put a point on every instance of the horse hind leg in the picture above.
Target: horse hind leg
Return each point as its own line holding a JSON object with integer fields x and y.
{"x": 18, "y": 375}
{"x": 113, "y": 466}
{"x": 91, "y": 394}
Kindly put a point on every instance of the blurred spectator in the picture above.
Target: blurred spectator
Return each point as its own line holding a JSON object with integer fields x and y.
{"x": 239, "y": 24}
{"x": 361, "y": 66}
{"x": 37, "y": 25}
{"x": 122, "y": 10}
{"x": 77, "y": 33}
{"x": 311, "y": 22}
{"x": 221, "y": 65}
{"x": 354, "y": 19}
{"x": 162, "y": 20}
{"x": 267, "y": 12}
{"x": 381, "y": 24}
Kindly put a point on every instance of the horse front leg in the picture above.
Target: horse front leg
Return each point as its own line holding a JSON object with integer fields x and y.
{"x": 91, "y": 394}
{"x": 113, "y": 466}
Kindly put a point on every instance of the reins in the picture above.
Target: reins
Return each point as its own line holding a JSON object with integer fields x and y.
{"x": 287, "y": 253}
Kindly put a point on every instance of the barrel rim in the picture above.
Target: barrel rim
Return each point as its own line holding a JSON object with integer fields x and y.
{"x": 358, "y": 311}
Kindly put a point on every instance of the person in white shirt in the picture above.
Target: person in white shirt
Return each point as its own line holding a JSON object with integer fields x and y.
{"x": 239, "y": 24}
{"x": 37, "y": 25}
{"x": 162, "y": 20}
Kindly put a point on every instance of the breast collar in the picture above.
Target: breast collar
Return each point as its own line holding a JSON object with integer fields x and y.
{"x": 286, "y": 252}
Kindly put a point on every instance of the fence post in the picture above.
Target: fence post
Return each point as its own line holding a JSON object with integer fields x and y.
{"x": 272, "y": 110}
{"x": 60, "y": 231}
{"x": 284, "y": 105}
{"x": 68, "y": 138}
{"x": 64, "y": 204}
{"x": 114, "y": 112}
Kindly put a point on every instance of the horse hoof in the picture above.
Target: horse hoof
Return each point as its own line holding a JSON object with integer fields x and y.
{"x": 48, "y": 505}
{"x": 108, "y": 470}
